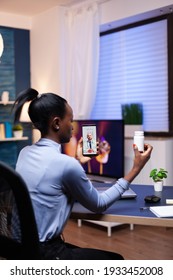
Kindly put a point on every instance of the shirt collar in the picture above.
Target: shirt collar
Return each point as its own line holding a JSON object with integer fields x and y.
{"x": 49, "y": 142}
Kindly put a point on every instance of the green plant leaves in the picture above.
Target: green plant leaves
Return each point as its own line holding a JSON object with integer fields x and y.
{"x": 158, "y": 175}
{"x": 132, "y": 113}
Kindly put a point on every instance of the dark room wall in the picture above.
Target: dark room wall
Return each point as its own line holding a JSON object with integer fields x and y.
{"x": 14, "y": 77}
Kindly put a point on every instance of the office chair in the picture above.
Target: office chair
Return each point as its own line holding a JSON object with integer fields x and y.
{"x": 16, "y": 211}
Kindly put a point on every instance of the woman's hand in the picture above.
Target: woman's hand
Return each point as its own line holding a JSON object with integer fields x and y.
{"x": 140, "y": 159}
{"x": 79, "y": 156}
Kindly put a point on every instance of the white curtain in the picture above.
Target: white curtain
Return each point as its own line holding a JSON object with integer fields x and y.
{"x": 81, "y": 54}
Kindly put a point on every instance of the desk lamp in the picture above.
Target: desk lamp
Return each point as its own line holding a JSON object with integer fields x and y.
{"x": 24, "y": 117}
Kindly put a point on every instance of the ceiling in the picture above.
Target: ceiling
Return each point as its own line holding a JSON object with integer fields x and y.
{"x": 33, "y": 7}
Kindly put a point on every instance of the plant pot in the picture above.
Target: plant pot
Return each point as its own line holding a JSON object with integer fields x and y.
{"x": 18, "y": 133}
{"x": 158, "y": 186}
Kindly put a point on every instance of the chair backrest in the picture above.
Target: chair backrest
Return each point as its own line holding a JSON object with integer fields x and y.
{"x": 16, "y": 211}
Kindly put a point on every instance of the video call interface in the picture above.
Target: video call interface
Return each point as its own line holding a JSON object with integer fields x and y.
{"x": 110, "y": 160}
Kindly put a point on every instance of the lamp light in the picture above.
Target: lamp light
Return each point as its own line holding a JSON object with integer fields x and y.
{"x": 1, "y": 45}
{"x": 24, "y": 117}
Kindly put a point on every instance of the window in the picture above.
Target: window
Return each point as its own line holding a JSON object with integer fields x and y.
{"x": 134, "y": 69}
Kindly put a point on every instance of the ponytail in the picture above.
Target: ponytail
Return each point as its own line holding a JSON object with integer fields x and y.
{"x": 41, "y": 108}
{"x": 24, "y": 96}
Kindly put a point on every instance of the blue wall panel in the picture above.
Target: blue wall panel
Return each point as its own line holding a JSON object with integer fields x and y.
{"x": 14, "y": 77}
{"x": 7, "y": 63}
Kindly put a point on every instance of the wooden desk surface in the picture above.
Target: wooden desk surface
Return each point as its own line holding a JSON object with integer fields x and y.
{"x": 128, "y": 211}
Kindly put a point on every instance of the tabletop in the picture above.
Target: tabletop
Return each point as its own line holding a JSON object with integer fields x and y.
{"x": 129, "y": 210}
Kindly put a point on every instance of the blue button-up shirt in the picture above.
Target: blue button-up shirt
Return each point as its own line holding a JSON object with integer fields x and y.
{"x": 55, "y": 181}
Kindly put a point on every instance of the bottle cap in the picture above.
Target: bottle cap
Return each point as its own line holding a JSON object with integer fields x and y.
{"x": 139, "y": 133}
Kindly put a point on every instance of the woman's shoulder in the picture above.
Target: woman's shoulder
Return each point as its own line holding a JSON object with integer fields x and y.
{"x": 69, "y": 159}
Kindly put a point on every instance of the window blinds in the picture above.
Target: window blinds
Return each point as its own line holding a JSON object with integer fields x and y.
{"x": 133, "y": 69}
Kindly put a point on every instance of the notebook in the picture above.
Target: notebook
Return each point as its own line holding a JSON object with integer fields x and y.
{"x": 162, "y": 211}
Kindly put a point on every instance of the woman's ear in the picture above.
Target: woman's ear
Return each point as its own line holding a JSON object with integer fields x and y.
{"x": 55, "y": 123}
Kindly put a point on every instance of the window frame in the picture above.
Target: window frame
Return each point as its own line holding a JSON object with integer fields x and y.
{"x": 169, "y": 18}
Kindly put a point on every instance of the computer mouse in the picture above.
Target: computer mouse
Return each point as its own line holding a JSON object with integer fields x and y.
{"x": 152, "y": 198}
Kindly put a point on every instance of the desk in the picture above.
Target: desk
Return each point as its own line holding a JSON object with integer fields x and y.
{"x": 127, "y": 211}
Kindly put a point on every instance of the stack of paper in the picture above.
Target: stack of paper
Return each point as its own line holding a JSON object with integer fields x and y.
{"x": 162, "y": 211}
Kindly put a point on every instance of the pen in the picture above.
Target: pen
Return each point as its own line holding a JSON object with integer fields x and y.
{"x": 144, "y": 208}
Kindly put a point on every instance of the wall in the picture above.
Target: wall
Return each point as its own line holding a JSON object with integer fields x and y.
{"x": 16, "y": 21}
{"x": 161, "y": 157}
{"x": 116, "y": 10}
{"x": 46, "y": 51}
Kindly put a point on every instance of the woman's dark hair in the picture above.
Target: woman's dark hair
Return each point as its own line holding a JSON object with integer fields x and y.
{"x": 41, "y": 109}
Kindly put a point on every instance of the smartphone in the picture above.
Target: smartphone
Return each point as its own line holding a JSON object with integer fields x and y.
{"x": 89, "y": 134}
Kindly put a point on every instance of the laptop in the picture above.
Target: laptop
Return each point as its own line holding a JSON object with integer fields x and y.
{"x": 126, "y": 195}
{"x": 129, "y": 194}
{"x": 101, "y": 179}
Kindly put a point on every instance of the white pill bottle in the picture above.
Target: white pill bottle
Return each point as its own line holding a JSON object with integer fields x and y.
{"x": 139, "y": 140}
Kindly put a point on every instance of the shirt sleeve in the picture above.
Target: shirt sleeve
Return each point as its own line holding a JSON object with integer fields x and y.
{"x": 80, "y": 188}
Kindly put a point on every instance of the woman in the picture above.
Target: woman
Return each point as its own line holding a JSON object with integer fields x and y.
{"x": 56, "y": 180}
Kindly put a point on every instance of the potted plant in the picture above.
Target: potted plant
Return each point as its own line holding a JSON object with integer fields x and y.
{"x": 132, "y": 114}
{"x": 158, "y": 175}
{"x": 17, "y": 130}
